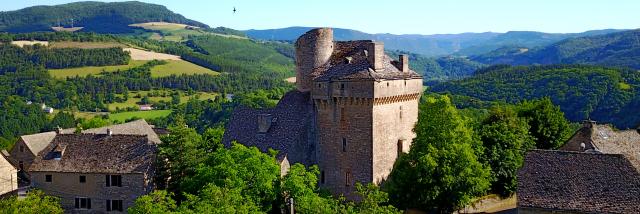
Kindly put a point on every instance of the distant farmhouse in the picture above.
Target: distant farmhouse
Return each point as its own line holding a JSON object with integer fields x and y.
{"x": 596, "y": 171}
{"x": 96, "y": 171}
{"x": 352, "y": 112}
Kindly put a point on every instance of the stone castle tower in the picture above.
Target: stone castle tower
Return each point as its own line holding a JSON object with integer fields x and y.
{"x": 366, "y": 106}
{"x": 352, "y": 112}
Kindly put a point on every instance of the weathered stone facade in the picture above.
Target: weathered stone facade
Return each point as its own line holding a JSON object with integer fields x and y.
{"x": 67, "y": 187}
{"x": 357, "y": 115}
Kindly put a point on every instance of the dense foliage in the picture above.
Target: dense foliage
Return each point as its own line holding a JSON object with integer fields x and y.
{"x": 619, "y": 49}
{"x": 99, "y": 17}
{"x": 442, "y": 171}
{"x": 36, "y": 202}
{"x": 439, "y": 69}
{"x": 606, "y": 95}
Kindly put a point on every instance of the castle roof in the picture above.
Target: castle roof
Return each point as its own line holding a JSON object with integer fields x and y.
{"x": 96, "y": 153}
{"x": 349, "y": 62}
{"x": 579, "y": 182}
{"x": 285, "y": 128}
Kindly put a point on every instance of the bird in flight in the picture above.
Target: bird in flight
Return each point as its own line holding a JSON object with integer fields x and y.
{"x": 234, "y": 10}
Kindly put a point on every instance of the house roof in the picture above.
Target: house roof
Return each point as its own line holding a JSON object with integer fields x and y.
{"x": 349, "y": 62}
{"x": 285, "y": 128}
{"x": 97, "y": 153}
{"x": 603, "y": 138}
{"x": 138, "y": 127}
{"x": 579, "y": 181}
{"x": 37, "y": 142}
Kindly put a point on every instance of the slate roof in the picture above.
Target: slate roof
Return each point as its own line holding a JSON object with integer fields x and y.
{"x": 37, "y": 142}
{"x": 359, "y": 68}
{"x": 604, "y": 139}
{"x": 97, "y": 153}
{"x": 579, "y": 182}
{"x": 138, "y": 127}
{"x": 291, "y": 128}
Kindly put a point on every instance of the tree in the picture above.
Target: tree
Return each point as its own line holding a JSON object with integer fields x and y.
{"x": 63, "y": 120}
{"x": 441, "y": 173}
{"x": 547, "y": 123}
{"x": 158, "y": 201}
{"x": 180, "y": 154}
{"x": 301, "y": 185}
{"x": 373, "y": 200}
{"x": 214, "y": 199}
{"x": 36, "y": 202}
{"x": 506, "y": 139}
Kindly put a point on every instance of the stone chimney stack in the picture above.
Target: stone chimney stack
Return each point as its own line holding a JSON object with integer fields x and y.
{"x": 404, "y": 63}
{"x": 375, "y": 54}
{"x": 109, "y": 132}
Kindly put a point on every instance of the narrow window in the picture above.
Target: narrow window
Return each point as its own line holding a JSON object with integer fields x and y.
{"x": 342, "y": 86}
{"x": 344, "y": 144}
{"x": 400, "y": 112}
{"x": 400, "y": 147}
{"x": 387, "y": 84}
{"x": 108, "y": 180}
{"x": 322, "y": 177}
{"x": 48, "y": 178}
{"x": 114, "y": 205}
{"x": 342, "y": 115}
{"x": 21, "y": 165}
{"x": 83, "y": 179}
{"x": 348, "y": 179}
{"x": 21, "y": 148}
{"x": 108, "y": 205}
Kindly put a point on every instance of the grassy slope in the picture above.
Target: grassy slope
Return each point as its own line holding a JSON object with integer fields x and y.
{"x": 172, "y": 67}
{"x": 140, "y": 114}
{"x": 132, "y": 101}
{"x": 94, "y": 70}
{"x": 179, "y": 68}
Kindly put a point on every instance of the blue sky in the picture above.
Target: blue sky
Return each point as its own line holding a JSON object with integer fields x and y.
{"x": 408, "y": 17}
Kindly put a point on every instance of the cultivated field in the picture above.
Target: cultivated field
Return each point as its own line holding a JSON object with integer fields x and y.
{"x": 93, "y": 70}
{"x": 132, "y": 101}
{"x": 178, "y": 68}
{"x": 137, "y": 54}
{"x": 22, "y": 43}
{"x": 123, "y": 116}
{"x": 66, "y": 29}
{"x": 86, "y": 45}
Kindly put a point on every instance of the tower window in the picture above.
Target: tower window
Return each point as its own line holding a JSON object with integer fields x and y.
{"x": 342, "y": 114}
{"x": 387, "y": 84}
{"x": 344, "y": 144}
{"x": 342, "y": 86}
{"x": 400, "y": 112}
{"x": 347, "y": 179}
{"x": 322, "y": 177}
{"x": 21, "y": 148}
{"x": 400, "y": 147}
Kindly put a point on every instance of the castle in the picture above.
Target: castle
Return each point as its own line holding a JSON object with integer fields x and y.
{"x": 352, "y": 112}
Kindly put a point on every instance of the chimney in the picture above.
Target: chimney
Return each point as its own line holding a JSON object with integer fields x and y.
{"x": 404, "y": 63}
{"x": 109, "y": 132}
{"x": 58, "y": 130}
{"x": 588, "y": 123}
{"x": 375, "y": 55}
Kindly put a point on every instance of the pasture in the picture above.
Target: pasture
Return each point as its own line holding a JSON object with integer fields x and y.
{"x": 123, "y": 116}
{"x": 135, "y": 97}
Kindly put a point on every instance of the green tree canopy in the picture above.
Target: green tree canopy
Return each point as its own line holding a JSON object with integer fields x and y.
{"x": 36, "y": 202}
{"x": 441, "y": 173}
{"x": 548, "y": 125}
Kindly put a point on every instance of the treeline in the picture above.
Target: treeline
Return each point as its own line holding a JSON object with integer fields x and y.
{"x": 607, "y": 95}
{"x": 56, "y": 58}
{"x": 439, "y": 69}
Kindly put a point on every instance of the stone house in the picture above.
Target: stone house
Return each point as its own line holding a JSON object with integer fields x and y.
{"x": 596, "y": 171}
{"x": 95, "y": 173}
{"x": 352, "y": 112}
{"x": 8, "y": 175}
{"x": 28, "y": 147}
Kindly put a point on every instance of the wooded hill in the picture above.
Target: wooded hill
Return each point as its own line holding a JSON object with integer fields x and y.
{"x": 607, "y": 95}
{"x": 113, "y": 17}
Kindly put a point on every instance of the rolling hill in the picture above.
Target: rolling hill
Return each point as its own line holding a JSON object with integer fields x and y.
{"x": 619, "y": 49}
{"x": 607, "y": 95}
{"x": 101, "y": 17}
{"x": 437, "y": 44}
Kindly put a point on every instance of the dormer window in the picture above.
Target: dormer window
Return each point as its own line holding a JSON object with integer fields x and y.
{"x": 264, "y": 122}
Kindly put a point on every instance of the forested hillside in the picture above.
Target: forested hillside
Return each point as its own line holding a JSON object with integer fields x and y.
{"x": 99, "y": 17}
{"x": 437, "y": 44}
{"x": 620, "y": 49}
{"x": 606, "y": 95}
{"x": 436, "y": 69}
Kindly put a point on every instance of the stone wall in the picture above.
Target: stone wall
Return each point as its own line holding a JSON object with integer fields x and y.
{"x": 26, "y": 156}
{"x": 8, "y": 176}
{"x": 313, "y": 49}
{"x": 67, "y": 186}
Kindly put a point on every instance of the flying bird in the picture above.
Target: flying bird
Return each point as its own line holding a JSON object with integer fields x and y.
{"x": 234, "y": 10}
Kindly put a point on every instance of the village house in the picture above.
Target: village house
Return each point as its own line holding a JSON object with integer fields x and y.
{"x": 596, "y": 171}
{"x": 352, "y": 112}
{"x": 8, "y": 175}
{"x": 146, "y": 107}
{"x": 97, "y": 172}
{"x": 28, "y": 147}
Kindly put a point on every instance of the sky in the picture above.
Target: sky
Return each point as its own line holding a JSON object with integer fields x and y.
{"x": 402, "y": 16}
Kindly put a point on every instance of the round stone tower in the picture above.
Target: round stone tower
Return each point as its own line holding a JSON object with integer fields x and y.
{"x": 313, "y": 50}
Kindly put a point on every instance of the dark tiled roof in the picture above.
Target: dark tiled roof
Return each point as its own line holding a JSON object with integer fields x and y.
{"x": 290, "y": 130}
{"x": 138, "y": 127}
{"x": 97, "y": 153}
{"x": 579, "y": 181}
{"x": 359, "y": 68}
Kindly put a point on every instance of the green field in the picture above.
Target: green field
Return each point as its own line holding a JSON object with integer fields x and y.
{"x": 122, "y": 116}
{"x": 94, "y": 70}
{"x": 177, "y": 67}
{"x": 85, "y": 45}
{"x": 132, "y": 101}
